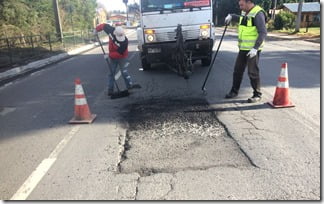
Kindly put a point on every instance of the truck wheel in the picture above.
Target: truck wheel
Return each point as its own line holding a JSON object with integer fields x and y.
{"x": 206, "y": 61}
{"x": 145, "y": 64}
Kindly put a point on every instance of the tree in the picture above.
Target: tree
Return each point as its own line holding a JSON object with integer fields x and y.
{"x": 225, "y": 7}
{"x": 18, "y": 17}
{"x": 134, "y": 8}
{"x": 284, "y": 20}
{"x": 265, "y": 4}
{"x": 77, "y": 14}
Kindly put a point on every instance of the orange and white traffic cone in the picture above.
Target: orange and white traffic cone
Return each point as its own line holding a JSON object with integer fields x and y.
{"x": 82, "y": 112}
{"x": 281, "y": 98}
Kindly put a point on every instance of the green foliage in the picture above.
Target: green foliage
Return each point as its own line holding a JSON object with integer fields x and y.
{"x": 15, "y": 15}
{"x": 77, "y": 14}
{"x": 278, "y": 23}
{"x": 270, "y": 25}
{"x": 265, "y": 4}
{"x": 134, "y": 8}
{"x": 231, "y": 6}
{"x": 225, "y": 7}
{"x": 284, "y": 20}
{"x": 24, "y": 17}
{"x": 281, "y": 2}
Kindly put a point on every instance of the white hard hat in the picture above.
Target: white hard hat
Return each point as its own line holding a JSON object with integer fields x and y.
{"x": 119, "y": 33}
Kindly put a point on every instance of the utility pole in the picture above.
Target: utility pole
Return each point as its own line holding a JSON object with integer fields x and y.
{"x": 57, "y": 21}
{"x": 299, "y": 14}
{"x": 125, "y": 2}
{"x": 215, "y": 9}
{"x": 274, "y": 10}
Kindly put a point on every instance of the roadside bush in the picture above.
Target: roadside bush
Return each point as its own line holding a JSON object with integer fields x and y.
{"x": 284, "y": 20}
{"x": 278, "y": 23}
{"x": 270, "y": 25}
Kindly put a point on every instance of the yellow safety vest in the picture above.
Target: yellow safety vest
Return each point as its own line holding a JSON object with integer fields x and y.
{"x": 247, "y": 31}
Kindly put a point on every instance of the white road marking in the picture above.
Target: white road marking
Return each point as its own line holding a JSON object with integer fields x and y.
{"x": 37, "y": 175}
{"x": 5, "y": 111}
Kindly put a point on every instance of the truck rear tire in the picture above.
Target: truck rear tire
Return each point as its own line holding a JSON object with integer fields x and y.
{"x": 145, "y": 65}
{"x": 206, "y": 61}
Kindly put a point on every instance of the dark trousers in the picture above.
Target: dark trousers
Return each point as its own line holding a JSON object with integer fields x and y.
{"x": 253, "y": 71}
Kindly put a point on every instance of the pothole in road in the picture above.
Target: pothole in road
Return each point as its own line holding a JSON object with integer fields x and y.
{"x": 171, "y": 135}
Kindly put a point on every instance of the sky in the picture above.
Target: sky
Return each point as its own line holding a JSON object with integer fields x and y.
{"x": 115, "y": 4}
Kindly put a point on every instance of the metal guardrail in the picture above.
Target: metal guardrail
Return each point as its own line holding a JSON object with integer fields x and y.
{"x": 20, "y": 50}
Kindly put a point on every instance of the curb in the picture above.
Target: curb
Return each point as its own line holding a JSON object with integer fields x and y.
{"x": 282, "y": 36}
{"x": 39, "y": 64}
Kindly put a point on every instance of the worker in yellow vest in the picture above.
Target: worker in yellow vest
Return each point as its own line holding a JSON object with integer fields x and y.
{"x": 252, "y": 32}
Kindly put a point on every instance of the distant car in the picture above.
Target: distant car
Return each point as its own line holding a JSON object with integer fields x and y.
{"x": 115, "y": 22}
{"x": 120, "y": 23}
{"x": 110, "y": 22}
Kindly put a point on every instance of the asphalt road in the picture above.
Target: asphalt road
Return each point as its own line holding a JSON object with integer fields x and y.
{"x": 166, "y": 140}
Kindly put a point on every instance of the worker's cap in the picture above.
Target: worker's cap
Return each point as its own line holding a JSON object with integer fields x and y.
{"x": 119, "y": 33}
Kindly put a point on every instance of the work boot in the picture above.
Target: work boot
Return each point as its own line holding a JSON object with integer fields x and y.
{"x": 254, "y": 99}
{"x": 231, "y": 94}
{"x": 134, "y": 86}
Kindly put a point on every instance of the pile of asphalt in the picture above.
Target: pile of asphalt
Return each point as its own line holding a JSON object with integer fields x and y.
{"x": 171, "y": 135}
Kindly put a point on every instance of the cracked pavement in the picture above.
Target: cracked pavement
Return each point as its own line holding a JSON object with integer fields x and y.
{"x": 168, "y": 135}
{"x": 168, "y": 141}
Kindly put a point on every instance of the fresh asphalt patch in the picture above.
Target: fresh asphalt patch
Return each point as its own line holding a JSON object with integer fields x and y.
{"x": 170, "y": 135}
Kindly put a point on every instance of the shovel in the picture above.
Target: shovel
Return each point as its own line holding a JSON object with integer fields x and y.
{"x": 203, "y": 88}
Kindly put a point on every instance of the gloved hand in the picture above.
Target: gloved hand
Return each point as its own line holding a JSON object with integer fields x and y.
{"x": 95, "y": 32}
{"x": 253, "y": 52}
{"x": 106, "y": 57}
{"x": 228, "y": 19}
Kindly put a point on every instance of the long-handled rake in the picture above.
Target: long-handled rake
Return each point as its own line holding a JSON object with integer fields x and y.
{"x": 203, "y": 88}
{"x": 118, "y": 94}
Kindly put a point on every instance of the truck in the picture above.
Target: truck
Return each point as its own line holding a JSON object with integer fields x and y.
{"x": 175, "y": 32}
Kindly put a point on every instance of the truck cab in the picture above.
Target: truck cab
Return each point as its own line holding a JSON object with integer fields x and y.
{"x": 157, "y": 32}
